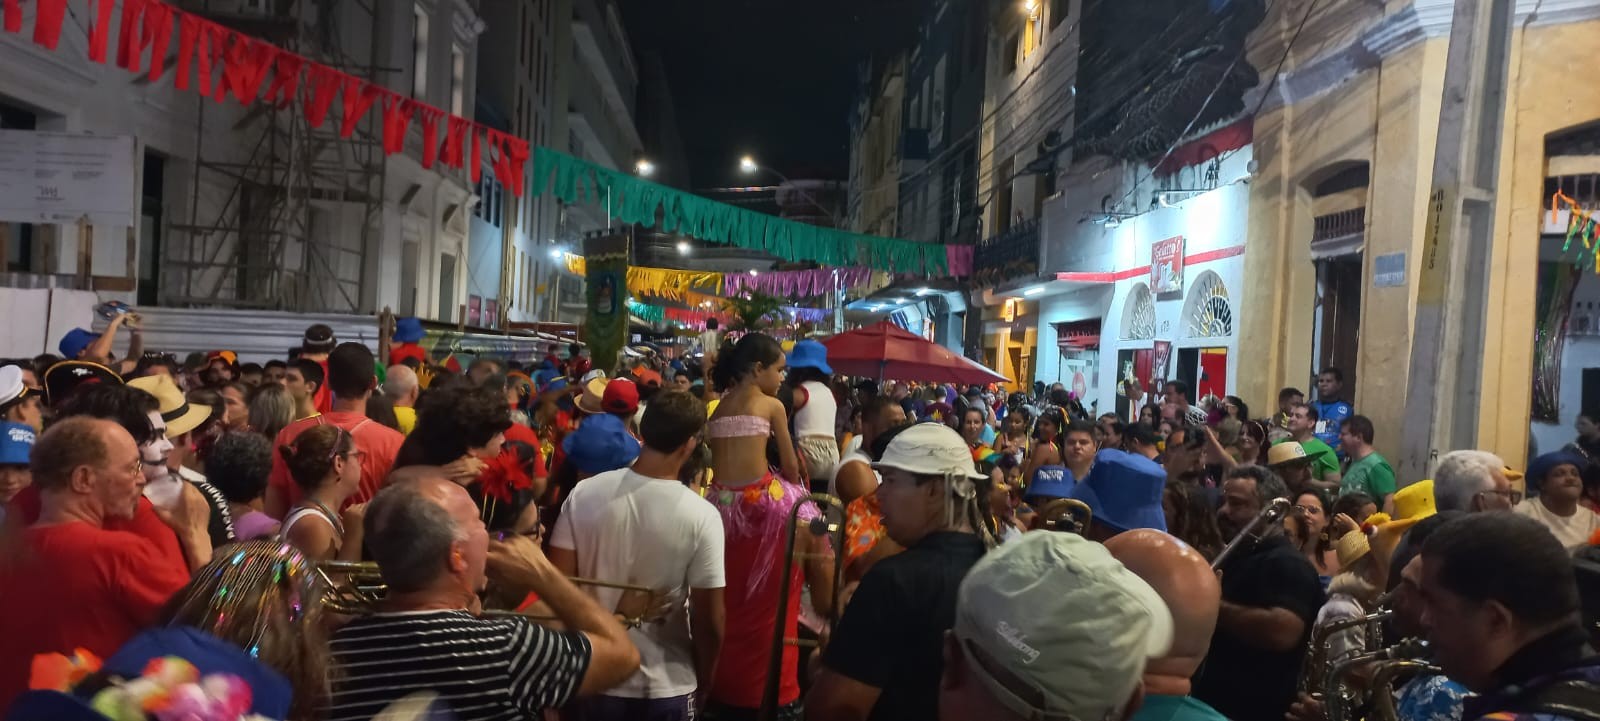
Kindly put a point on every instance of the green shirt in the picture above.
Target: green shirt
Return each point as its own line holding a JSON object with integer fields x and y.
{"x": 1328, "y": 461}
{"x": 1176, "y": 708}
{"x": 1371, "y": 475}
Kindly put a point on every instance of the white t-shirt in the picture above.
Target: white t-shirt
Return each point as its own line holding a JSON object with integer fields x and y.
{"x": 653, "y": 532}
{"x": 710, "y": 341}
{"x": 1573, "y": 531}
{"x": 816, "y": 417}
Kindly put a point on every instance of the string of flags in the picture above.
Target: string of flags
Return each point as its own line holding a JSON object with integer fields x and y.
{"x": 1581, "y": 226}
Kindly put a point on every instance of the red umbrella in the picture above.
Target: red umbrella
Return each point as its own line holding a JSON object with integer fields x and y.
{"x": 888, "y": 352}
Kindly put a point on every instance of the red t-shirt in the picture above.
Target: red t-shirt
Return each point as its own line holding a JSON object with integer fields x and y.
{"x": 144, "y": 524}
{"x": 379, "y": 444}
{"x": 74, "y": 586}
{"x": 323, "y": 398}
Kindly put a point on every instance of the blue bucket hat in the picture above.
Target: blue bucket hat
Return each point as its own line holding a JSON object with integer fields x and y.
{"x": 1050, "y": 482}
{"x": 270, "y": 692}
{"x": 600, "y": 444}
{"x": 1543, "y": 465}
{"x": 1124, "y": 491}
{"x": 75, "y": 341}
{"x": 16, "y": 442}
{"x": 408, "y": 330}
{"x": 810, "y": 354}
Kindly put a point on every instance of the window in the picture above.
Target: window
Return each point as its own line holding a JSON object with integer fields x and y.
{"x": 458, "y": 81}
{"x": 1058, "y": 12}
{"x": 1032, "y": 32}
{"x": 419, "y": 53}
{"x": 1010, "y": 54}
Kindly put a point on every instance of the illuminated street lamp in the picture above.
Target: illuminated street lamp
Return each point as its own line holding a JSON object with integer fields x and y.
{"x": 683, "y": 247}
{"x": 748, "y": 166}
{"x": 644, "y": 168}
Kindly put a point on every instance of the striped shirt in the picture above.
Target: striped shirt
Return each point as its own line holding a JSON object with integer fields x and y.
{"x": 486, "y": 669}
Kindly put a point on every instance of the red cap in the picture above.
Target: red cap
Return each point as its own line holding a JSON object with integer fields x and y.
{"x": 621, "y": 398}
{"x": 647, "y": 377}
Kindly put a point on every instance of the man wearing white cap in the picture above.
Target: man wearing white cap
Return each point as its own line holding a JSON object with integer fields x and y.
{"x": 18, "y": 402}
{"x": 1051, "y": 627}
{"x": 884, "y": 660}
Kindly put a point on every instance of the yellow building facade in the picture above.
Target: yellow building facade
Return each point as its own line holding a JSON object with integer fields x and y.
{"x": 1348, "y": 132}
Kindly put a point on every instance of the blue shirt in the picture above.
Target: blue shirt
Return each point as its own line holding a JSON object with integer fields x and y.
{"x": 1330, "y": 416}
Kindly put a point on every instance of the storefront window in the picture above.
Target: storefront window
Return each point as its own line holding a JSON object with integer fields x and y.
{"x": 1208, "y": 312}
{"x": 1139, "y": 314}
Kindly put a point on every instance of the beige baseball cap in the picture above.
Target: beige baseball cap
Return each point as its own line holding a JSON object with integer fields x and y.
{"x": 1057, "y": 628}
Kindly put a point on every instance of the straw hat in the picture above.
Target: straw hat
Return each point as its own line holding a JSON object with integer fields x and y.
{"x": 181, "y": 415}
{"x": 1289, "y": 453}
{"x": 594, "y": 393}
{"x": 1351, "y": 547}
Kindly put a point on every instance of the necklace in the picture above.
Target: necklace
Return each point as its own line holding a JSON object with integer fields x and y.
{"x": 338, "y": 526}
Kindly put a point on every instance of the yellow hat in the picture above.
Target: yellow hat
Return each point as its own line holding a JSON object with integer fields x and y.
{"x": 1351, "y": 547}
{"x": 1414, "y": 502}
{"x": 1513, "y": 474}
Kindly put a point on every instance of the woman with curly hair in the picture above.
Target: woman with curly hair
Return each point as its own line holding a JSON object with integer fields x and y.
{"x": 460, "y": 423}
{"x": 239, "y": 467}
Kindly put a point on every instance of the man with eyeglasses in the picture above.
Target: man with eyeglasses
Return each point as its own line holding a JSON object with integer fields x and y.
{"x": 73, "y": 583}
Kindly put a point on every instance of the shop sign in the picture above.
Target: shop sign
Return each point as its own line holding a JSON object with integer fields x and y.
{"x": 1389, "y": 271}
{"x": 64, "y": 178}
{"x": 1166, "y": 266}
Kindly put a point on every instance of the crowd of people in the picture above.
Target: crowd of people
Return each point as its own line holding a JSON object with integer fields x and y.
{"x": 740, "y": 533}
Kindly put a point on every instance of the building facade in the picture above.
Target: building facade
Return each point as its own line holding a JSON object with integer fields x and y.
{"x": 217, "y": 227}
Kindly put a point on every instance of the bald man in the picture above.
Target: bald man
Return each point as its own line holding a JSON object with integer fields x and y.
{"x": 1183, "y": 578}
{"x": 401, "y": 388}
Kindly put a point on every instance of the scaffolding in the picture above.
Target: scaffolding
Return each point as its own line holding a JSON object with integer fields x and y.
{"x": 291, "y": 223}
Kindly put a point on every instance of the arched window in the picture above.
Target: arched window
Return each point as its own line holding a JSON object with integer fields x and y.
{"x": 1139, "y": 314}
{"x": 1207, "y": 312}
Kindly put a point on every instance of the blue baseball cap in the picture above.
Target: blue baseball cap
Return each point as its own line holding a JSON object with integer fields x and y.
{"x": 810, "y": 354}
{"x": 75, "y": 341}
{"x": 600, "y": 444}
{"x": 1051, "y": 482}
{"x": 1124, "y": 491}
{"x": 16, "y": 442}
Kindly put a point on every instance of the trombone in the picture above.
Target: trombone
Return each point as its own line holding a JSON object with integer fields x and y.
{"x": 1066, "y": 514}
{"x": 830, "y": 524}
{"x": 1269, "y": 516}
{"x": 355, "y": 588}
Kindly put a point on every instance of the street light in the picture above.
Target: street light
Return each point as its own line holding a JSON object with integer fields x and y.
{"x": 555, "y": 254}
{"x": 747, "y": 165}
{"x": 644, "y": 168}
{"x": 683, "y": 247}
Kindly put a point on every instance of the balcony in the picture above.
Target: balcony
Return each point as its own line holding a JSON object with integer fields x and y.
{"x": 1011, "y": 254}
{"x": 1338, "y": 234}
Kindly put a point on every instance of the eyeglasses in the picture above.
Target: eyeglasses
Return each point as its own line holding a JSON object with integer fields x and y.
{"x": 1309, "y": 510}
{"x": 1511, "y": 496}
{"x": 137, "y": 468}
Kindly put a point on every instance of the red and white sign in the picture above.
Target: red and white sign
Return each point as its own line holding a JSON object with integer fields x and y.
{"x": 1166, "y": 266}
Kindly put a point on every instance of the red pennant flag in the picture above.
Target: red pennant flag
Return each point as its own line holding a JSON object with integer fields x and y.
{"x": 455, "y": 137}
{"x": 100, "y": 30}
{"x": 13, "y": 16}
{"x": 131, "y": 36}
{"x": 359, "y": 95}
{"x": 245, "y": 67}
{"x": 188, "y": 38}
{"x": 430, "y": 134}
{"x": 397, "y": 113}
{"x": 157, "y": 36}
{"x": 499, "y": 159}
{"x": 517, "y": 152}
{"x": 477, "y": 156}
{"x": 47, "y": 22}
{"x": 324, "y": 88}
{"x": 209, "y": 36}
{"x": 285, "y": 79}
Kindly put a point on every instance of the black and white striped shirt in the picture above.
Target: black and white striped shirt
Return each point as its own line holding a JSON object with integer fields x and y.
{"x": 486, "y": 669}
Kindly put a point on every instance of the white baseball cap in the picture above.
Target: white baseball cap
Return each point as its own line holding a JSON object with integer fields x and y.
{"x": 11, "y": 386}
{"x": 1057, "y": 628}
{"x": 932, "y": 449}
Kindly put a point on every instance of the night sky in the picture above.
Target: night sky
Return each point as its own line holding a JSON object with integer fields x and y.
{"x": 772, "y": 78}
